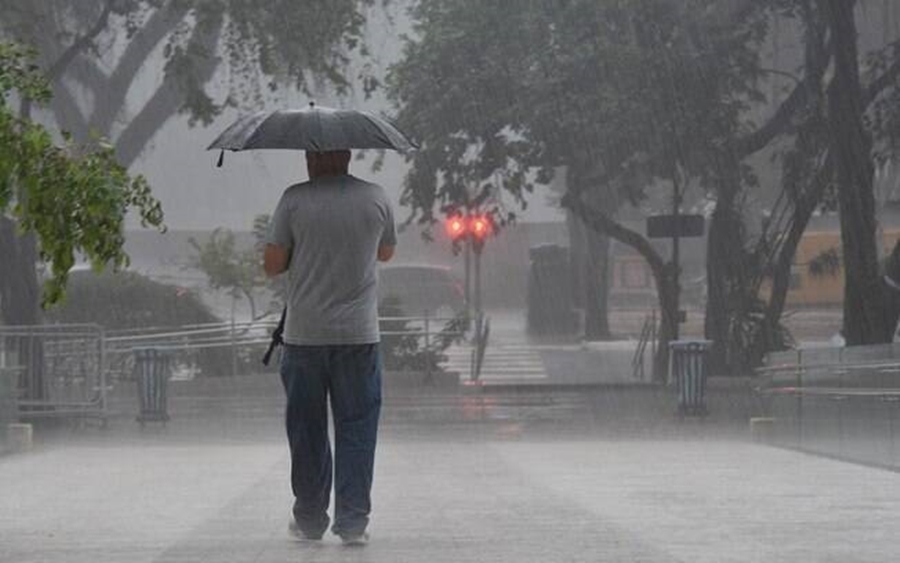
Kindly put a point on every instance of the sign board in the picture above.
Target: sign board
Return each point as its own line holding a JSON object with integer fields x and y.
{"x": 665, "y": 226}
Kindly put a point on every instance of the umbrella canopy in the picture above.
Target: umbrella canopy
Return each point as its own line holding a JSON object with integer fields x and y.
{"x": 315, "y": 128}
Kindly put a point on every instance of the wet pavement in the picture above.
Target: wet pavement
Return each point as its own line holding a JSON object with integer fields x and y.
{"x": 491, "y": 473}
{"x": 215, "y": 489}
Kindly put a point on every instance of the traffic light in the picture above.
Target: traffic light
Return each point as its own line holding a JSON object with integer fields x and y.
{"x": 480, "y": 227}
{"x": 456, "y": 227}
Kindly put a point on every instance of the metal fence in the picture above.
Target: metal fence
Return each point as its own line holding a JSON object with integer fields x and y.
{"x": 69, "y": 370}
{"x": 57, "y": 369}
{"x": 840, "y": 402}
{"x": 221, "y": 347}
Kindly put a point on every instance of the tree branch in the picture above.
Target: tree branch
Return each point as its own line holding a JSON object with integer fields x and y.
{"x": 778, "y": 123}
{"x": 602, "y": 223}
{"x": 169, "y": 98}
{"x": 88, "y": 74}
{"x": 817, "y": 56}
{"x": 85, "y": 41}
{"x": 67, "y": 113}
{"x": 112, "y": 98}
{"x": 887, "y": 78}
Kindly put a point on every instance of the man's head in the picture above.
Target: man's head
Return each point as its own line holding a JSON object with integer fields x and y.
{"x": 327, "y": 163}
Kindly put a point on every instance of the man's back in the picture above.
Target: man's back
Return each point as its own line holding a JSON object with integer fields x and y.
{"x": 332, "y": 227}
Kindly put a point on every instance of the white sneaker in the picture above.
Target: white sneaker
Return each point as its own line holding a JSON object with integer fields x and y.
{"x": 356, "y": 540}
{"x": 300, "y": 535}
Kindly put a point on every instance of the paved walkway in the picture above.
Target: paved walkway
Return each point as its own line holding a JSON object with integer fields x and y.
{"x": 488, "y": 494}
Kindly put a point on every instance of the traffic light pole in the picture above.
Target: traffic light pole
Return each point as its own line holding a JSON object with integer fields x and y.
{"x": 477, "y": 303}
{"x": 472, "y": 230}
{"x": 467, "y": 258}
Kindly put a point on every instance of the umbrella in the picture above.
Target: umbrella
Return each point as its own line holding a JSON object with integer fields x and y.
{"x": 315, "y": 128}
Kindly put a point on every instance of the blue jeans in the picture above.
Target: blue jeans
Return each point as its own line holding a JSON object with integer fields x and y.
{"x": 350, "y": 375}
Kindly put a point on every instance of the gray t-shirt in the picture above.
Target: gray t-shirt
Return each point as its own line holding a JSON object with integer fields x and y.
{"x": 332, "y": 227}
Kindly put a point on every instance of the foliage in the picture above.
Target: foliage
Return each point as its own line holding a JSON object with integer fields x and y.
{"x": 19, "y": 73}
{"x": 72, "y": 199}
{"x": 599, "y": 87}
{"x": 404, "y": 351}
{"x": 236, "y": 270}
{"x": 95, "y": 50}
{"x": 622, "y": 95}
{"x": 825, "y": 264}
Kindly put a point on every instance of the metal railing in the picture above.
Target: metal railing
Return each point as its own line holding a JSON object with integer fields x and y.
{"x": 842, "y": 402}
{"x": 58, "y": 369}
{"x": 648, "y": 336}
{"x": 68, "y": 370}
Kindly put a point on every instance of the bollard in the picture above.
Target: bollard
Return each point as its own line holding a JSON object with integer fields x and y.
{"x": 762, "y": 430}
{"x": 20, "y": 436}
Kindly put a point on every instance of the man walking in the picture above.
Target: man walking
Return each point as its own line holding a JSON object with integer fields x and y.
{"x": 327, "y": 234}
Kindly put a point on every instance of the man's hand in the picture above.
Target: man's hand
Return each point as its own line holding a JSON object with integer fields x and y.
{"x": 385, "y": 253}
{"x": 275, "y": 260}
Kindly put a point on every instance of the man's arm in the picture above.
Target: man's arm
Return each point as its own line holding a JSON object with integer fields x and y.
{"x": 276, "y": 259}
{"x": 385, "y": 252}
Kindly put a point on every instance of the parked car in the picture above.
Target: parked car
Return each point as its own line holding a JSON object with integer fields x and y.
{"x": 419, "y": 289}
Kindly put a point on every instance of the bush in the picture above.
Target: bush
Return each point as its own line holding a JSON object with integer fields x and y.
{"x": 407, "y": 352}
{"x": 128, "y": 300}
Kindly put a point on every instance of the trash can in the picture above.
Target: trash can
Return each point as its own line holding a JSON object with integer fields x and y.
{"x": 550, "y": 306}
{"x": 688, "y": 369}
{"x": 151, "y": 371}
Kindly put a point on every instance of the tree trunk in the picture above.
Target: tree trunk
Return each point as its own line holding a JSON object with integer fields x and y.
{"x": 577, "y": 230}
{"x": 663, "y": 272}
{"x": 20, "y": 302}
{"x": 19, "y": 294}
{"x": 667, "y": 290}
{"x": 596, "y": 287}
{"x": 724, "y": 277}
{"x": 803, "y": 207}
{"x": 865, "y": 318}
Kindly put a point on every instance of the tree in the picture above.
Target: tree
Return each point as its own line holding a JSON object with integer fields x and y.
{"x": 619, "y": 93}
{"x": 625, "y": 93}
{"x": 64, "y": 200}
{"x": 865, "y": 314}
{"x": 259, "y": 47}
{"x": 842, "y": 125}
{"x": 236, "y": 270}
{"x": 68, "y": 199}
{"x": 95, "y": 52}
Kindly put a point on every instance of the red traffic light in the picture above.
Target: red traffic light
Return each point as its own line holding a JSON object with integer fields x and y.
{"x": 477, "y": 226}
{"x": 480, "y": 226}
{"x": 456, "y": 227}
